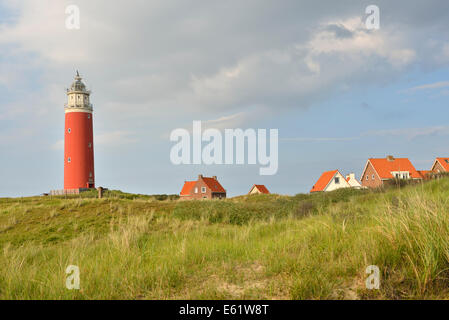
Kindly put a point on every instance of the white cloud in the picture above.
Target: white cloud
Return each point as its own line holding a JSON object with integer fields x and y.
{"x": 435, "y": 85}
{"x": 411, "y": 133}
{"x": 115, "y": 138}
{"x": 177, "y": 57}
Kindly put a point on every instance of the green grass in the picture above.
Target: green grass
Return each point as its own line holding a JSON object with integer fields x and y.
{"x": 259, "y": 247}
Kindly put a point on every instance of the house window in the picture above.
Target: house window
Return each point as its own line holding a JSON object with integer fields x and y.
{"x": 203, "y": 189}
{"x": 196, "y": 190}
{"x": 337, "y": 180}
{"x": 69, "y": 159}
{"x": 69, "y": 130}
{"x": 372, "y": 177}
{"x": 367, "y": 177}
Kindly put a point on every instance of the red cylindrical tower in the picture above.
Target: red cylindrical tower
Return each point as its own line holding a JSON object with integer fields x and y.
{"x": 78, "y": 138}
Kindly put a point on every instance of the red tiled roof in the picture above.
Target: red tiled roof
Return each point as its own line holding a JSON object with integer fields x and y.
{"x": 444, "y": 163}
{"x": 261, "y": 188}
{"x": 187, "y": 188}
{"x": 214, "y": 185}
{"x": 323, "y": 181}
{"x": 383, "y": 167}
{"x": 424, "y": 173}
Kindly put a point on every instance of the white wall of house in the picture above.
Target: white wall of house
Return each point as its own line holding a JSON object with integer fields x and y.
{"x": 337, "y": 182}
{"x": 254, "y": 190}
{"x": 353, "y": 182}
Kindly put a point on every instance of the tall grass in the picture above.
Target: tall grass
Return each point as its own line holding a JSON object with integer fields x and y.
{"x": 258, "y": 247}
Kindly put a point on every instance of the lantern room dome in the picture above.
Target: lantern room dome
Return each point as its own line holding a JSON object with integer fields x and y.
{"x": 77, "y": 85}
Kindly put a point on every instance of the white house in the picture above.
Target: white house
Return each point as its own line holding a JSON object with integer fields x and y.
{"x": 353, "y": 182}
{"x": 329, "y": 181}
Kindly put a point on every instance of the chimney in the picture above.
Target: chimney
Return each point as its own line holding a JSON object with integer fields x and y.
{"x": 390, "y": 158}
{"x": 200, "y": 176}
{"x": 214, "y": 177}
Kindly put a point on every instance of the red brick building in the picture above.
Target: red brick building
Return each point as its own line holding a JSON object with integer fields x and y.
{"x": 203, "y": 188}
{"x": 379, "y": 170}
{"x": 440, "y": 165}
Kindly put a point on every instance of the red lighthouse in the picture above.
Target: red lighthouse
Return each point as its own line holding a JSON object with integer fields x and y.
{"x": 78, "y": 138}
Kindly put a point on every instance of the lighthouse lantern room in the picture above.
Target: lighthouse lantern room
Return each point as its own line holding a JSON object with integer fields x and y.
{"x": 78, "y": 138}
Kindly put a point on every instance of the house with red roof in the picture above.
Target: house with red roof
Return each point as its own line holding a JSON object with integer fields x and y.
{"x": 258, "y": 189}
{"x": 440, "y": 165}
{"x": 379, "y": 170}
{"x": 425, "y": 174}
{"x": 329, "y": 181}
{"x": 203, "y": 188}
{"x": 353, "y": 182}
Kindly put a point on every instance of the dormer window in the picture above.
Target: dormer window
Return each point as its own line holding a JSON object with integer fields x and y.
{"x": 401, "y": 174}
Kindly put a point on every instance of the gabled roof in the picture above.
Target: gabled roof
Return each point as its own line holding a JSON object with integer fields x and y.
{"x": 211, "y": 183}
{"x": 444, "y": 163}
{"x": 261, "y": 188}
{"x": 323, "y": 181}
{"x": 384, "y": 167}
{"x": 354, "y": 182}
{"x": 424, "y": 173}
{"x": 187, "y": 188}
{"x": 214, "y": 185}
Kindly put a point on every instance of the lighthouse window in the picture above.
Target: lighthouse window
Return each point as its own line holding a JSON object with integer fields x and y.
{"x": 88, "y": 116}
{"x": 69, "y": 159}
{"x": 69, "y": 130}
{"x": 90, "y": 145}
{"x": 90, "y": 174}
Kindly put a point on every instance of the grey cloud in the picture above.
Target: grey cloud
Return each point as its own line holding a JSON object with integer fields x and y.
{"x": 153, "y": 60}
{"x": 339, "y": 30}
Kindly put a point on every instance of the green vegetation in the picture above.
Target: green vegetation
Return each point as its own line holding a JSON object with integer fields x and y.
{"x": 258, "y": 247}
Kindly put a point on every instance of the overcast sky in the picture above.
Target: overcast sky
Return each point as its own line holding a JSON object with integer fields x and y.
{"x": 338, "y": 92}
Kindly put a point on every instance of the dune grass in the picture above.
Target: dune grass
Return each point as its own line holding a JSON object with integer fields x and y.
{"x": 259, "y": 247}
